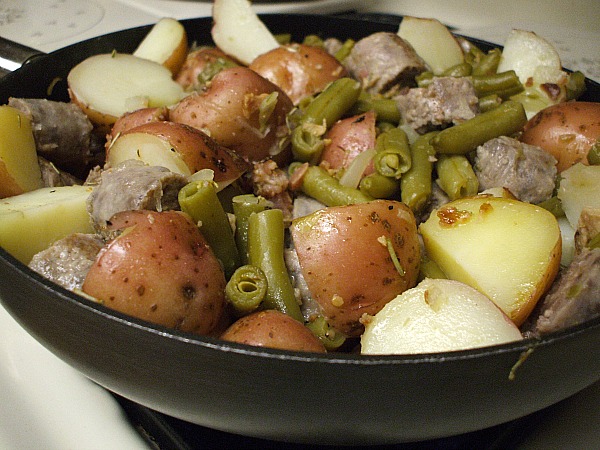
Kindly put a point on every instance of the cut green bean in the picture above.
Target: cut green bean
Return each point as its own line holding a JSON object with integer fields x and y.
{"x": 329, "y": 336}
{"x": 575, "y": 85}
{"x": 320, "y": 185}
{"x": 322, "y": 112}
{"x": 243, "y": 206}
{"x": 385, "y": 109}
{"x": 379, "y": 186}
{"x": 504, "y": 84}
{"x": 415, "y": 184}
{"x": 313, "y": 40}
{"x": 424, "y": 79}
{"x": 487, "y": 63}
{"x": 265, "y": 249}
{"x": 554, "y": 205}
{"x": 456, "y": 176}
{"x": 430, "y": 269}
{"x": 344, "y": 50}
{"x": 199, "y": 200}
{"x": 505, "y": 120}
{"x": 489, "y": 102}
{"x": 213, "y": 68}
{"x": 393, "y": 153}
{"x": 246, "y": 289}
{"x": 463, "y": 69}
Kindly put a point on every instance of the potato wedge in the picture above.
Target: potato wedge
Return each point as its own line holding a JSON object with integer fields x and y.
{"x": 432, "y": 41}
{"x": 508, "y": 250}
{"x": 30, "y": 222}
{"x": 166, "y": 44}
{"x": 579, "y": 189}
{"x": 106, "y": 86}
{"x": 437, "y": 316}
{"x": 239, "y": 32}
{"x": 19, "y": 168}
{"x": 178, "y": 147}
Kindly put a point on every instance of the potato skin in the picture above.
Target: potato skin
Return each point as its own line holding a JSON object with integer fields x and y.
{"x": 299, "y": 70}
{"x": 346, "y": 263}
{"x": 196, "y": 148}
{"x": 135, "y": 119}
{"x": 228, "y": 110}
{"x": 195, "y": 63}
{"x": 347, "y": 138}
{"x": 160, "y": 269}
{"x": 566, "y": 130}
{"x": 273, "y": 329}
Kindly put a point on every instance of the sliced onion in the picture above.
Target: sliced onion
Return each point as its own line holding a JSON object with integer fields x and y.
{"x": 353, "y": 174}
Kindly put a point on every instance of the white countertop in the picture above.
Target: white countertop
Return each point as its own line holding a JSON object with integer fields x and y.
{"x": 46, "y": 404}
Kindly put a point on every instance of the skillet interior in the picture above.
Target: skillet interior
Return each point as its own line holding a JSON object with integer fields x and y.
{"x": 279, "y": 395}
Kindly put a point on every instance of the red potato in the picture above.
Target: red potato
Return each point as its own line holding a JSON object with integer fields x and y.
{"x": 273, "y": 329}
{"x": 229, "y": 111}
{"x": 136, "y": 118}
{"x": 196, "y": 62}
{"x": 178, "y": 147}
{"x": 346, "y": 262}
{"x": 299, "y": 70}
{"x": 347, "y": 138}
{"x": 160, "y": 269}
{"x": 166, "y": 44}
{"x": 566, "y": 130}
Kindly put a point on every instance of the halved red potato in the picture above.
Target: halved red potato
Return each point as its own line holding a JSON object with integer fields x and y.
{"x": 160, "y": 269}
{"x": 274, "y": 329}
{"x": 565, "y": 130}
{"x": 166, "y": 44}
{"x": 347, "y": 138}
{"x": 178, "y": 147}
{"x": 136, "y": 118}
{"x": 242, "y": 111}
{"x": 299, "y": 70}
{"x": 106, "y": 86}
{"x": 357, "y": 258}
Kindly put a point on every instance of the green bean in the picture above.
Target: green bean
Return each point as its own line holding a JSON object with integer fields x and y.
{"x": 320, "y": 185}
{"x": 344, "y": 50}
{"x": 575, "y": 85}
{"x": 246, "y": 289}
{"x": 474, "y": 54}
{"x": 489, "y": 102}
{"x": 504, "y": 84}
{"x": 199, "y": 200}
{"x": 213, "y": 68}
{"x": 487, "y": 63}
{"x": 415, "y": 184}
{"x": 393, "y": 153}
{"x": 329, "y": 336}
{"x": 554, "y": 205}
{"x": 313, "y": 40}
{"x": 456, "y": 176}
{"x": 283, "y": 38}
{"x": 379, "y": 186}
{"x": 593, "y": 155}
{"x": 243, "y": 206}
{"x": 322, "y": 112}
{"x": 463, "y": 69}
{"x": 385, "y": 109}
{"x": 424, "y": 79}
{"x": 265, "y": 250}
{"x": 504, "y": 120}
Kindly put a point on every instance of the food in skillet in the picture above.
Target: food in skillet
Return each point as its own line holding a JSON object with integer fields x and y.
{"x": 311, "y": 198}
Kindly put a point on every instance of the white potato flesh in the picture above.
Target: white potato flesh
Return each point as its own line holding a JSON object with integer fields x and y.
{"x": 508, "y": 250}
{"x": 114, "y": 84}
{"x": 432, "y": 41}
{"x": 531, "y": 56}
{"x": 150, "y": 149}
{"x": 579, "y": 188}
{"x": 19, "y": 168}
{"x": 31, "y": 222}
{"x": 437, "y": 316}
{"x": 166, "y": 44}
{"x": 239, "y": 32}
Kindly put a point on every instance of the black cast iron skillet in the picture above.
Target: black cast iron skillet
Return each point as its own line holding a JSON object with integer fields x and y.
{"x": 278, "y": 395}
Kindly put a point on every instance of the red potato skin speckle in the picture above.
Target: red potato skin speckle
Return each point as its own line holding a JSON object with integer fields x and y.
{"x": 160, "y": 269}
